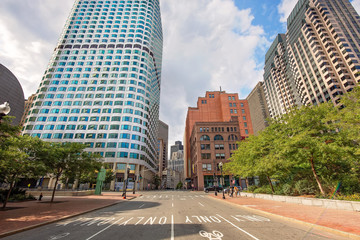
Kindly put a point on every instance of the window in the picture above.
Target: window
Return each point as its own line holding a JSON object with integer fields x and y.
{"x": 219, "y": 146}
{"x": 232, "y": 137}
{"x": 243, "y": 111}
{"x": 205, "y": 146}
{"x": 218, "y": 138}
{"x": 246, "y": 131}
{"x": 220, "y": 155}
{"x": 206, "y": 156}
{"x": 204, "y": 138}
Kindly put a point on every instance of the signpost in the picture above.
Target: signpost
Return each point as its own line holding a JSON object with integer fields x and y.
{"x": 100, "y": 181}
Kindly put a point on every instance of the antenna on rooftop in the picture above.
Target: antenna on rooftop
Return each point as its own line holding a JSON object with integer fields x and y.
{"x": 220, "y": 88}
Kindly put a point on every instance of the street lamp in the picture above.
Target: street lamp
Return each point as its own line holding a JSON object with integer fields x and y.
{"x": 126, "y": 181}
{"x": 136, "y": 177}
{"x": 221, "y": 165}
{"x": 4, "y": 109}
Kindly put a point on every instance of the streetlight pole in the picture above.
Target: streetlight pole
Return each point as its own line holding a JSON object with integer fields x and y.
{"x": 4, "y": 110}
{"x": 221, "y": 165}
{"x": 126, "y": 181}
{"x": 135, "y": 184}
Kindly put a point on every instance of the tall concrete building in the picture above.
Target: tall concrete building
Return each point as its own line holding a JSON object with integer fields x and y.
{"x": 102, "y": 85}
{"x": 27, "y": 107}
{"x": 259, "y": 110}
{"x": 280, "y": 91}
{"x": 175, "y": 148}
{"x": 323, "y": 45}
{"x": 163, "y": 139}
{"x": 12, "y": 92}
{"x": 210, "y": 144}
{"x": 217, "y": 106}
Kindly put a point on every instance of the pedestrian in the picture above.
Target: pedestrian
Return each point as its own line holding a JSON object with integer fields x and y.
{"x": 232, "y": 191}
{"x": 236, "y": 191}
{"x": 40, "y": 197}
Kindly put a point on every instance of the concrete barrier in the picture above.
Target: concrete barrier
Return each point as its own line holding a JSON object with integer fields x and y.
{"x": 62, "y": 193}
{"x": 326, "y": 203}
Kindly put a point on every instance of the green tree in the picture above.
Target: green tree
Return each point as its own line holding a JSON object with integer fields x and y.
{"x": 68, "y": 158}
{"x": 19, "y": 158}
{"x": 156, "y": 181}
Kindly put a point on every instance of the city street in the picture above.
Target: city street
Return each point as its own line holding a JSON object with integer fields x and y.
{"x": 174, "y": 215}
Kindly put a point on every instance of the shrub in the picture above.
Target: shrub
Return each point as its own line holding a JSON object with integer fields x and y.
{"x": 266, "y": 189}
{"x": 304, "y": 187}
{"x": 287, "y": 189}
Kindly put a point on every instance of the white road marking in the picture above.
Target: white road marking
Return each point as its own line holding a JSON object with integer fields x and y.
{"x": 214, "y": 235}
{"x": 172, "y": 204}
{"x": 172, "y": 227}
{"x": 141, "y": 205}
{"x": 201, "y": 204}
{"x": 238, "y": 228}
{"x": 141, "y": 196}
{"x": 59, "y": 236}
{"x": 105, "y": 228}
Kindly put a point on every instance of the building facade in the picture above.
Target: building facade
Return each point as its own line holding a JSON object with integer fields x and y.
{"x": 12, "y": 92}
{"x": 175, "y": 148}
{"x": 163, "y": 136}
{"x": 102, "y": 85}
{"x": 210, "y": 144}
{"x": 217, "y": 106}
{"x": 323, "y": 45}
{"x": 259, "y": 110}
{"x": 280, "y": 91}
{"x": 27, "y": 107}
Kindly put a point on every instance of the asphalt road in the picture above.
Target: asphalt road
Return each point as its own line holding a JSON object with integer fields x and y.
{"x": 173, "y": 215}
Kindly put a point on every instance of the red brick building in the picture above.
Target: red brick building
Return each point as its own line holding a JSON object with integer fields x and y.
{"x": 216, "y": 107}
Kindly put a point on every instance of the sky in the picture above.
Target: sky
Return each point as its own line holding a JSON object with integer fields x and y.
{"x": 208, "y": 44}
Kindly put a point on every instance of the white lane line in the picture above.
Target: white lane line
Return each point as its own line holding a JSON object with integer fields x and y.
{"x": 172, "y": 204}
{"x": 105, "y": 228}
{"x": 238, "y": 228}
{"x": 141, "y": 196}
{"x": 172, "y": 227}
{"x": 201, "y": 204}
{"x": 142, "y": 205}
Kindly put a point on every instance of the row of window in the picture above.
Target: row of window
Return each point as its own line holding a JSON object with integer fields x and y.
{"x": 231, "y": 137}
{"x": 208, "y": 155}
{"x": 85, "y": 110}
{"x": 84, "y": 127}
{"x": 88, "y": 136}
{"x": 218, "y": 146}
{"x": 81, "y": 119}
{"x": 218, "y": 129}
{"x": 87, "y": 103}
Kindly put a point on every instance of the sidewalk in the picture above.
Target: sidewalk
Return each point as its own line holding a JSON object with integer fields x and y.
{"x": 347, "y": 222}
{"x": 20, "y": 216}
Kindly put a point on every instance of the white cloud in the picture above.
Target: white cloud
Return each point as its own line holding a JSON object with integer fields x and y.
{"x": 207, "y": 44}
{"x": 29, "y": 32}
{"x": 356, "y": 5}
{"x": 285, "y": 8}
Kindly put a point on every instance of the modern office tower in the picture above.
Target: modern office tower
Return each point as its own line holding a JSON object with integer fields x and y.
{"x": 175, "y": 148}
{"x": 259, "y": 110}
{"x": 163, "y": 138}
{"x": 217, "y": 106}
{"x": 27, "y": 107}
{"x": 12, "y": 92}
{"x": 323, "y": 43}
{"x": 102, "y": 84}
{"x": 210, "y": 144}
{"x": 280, "y": 91}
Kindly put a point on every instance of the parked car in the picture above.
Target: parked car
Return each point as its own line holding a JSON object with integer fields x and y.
{"x": 213, "y": 188}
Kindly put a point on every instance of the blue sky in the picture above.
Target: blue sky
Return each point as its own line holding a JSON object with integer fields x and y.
{"x": 207, "y": 44}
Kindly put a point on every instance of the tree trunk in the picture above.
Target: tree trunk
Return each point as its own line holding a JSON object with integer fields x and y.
{"x": 272, "y": 187}
{"x": 247, "y": 183}
{"x": 8, "y": 194}
{"x": 315, "y": 175}
{"x": 53, "y": 193}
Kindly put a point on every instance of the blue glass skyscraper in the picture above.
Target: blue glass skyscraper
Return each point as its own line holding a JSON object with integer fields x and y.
{"x": 102, "y": 85}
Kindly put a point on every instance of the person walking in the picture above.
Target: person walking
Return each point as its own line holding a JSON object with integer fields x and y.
{"x": 236, "y": 191}
{"x": 40, "y": 197}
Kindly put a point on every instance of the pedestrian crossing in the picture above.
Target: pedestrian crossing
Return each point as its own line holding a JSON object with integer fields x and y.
{"x": 171, "y": 196}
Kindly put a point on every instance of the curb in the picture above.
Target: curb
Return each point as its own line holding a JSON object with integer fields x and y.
{"x": 6, "y": 234}
{"x": 312, "y": 225}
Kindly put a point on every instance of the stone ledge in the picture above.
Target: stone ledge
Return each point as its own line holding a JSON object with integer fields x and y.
{"x": 326, "y": 203}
